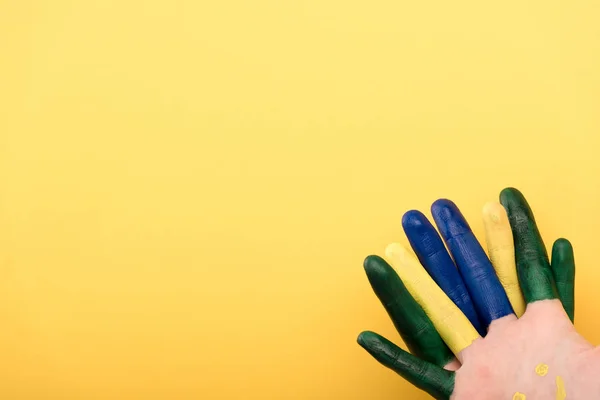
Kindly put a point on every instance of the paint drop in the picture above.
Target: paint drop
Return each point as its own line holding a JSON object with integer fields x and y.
{"x": 561, "y": 393}
{"x": 519, "y": 396}
{"x": 541, "y": 369}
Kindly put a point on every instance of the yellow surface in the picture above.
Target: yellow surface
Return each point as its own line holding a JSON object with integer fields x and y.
{"x": 188, "y": 188}
{"x": 452, "y": 325}
{"x": 501, "y": 250}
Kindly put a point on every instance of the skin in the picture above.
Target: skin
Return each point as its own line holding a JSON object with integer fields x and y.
{"x": 544, "y": 334}
{"x": 516, "y": 346}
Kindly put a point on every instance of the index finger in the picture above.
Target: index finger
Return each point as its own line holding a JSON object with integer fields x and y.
{"x": 533, "y": 267}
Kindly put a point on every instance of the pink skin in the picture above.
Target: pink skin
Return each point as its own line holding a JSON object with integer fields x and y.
{"x": 503, "y": 363}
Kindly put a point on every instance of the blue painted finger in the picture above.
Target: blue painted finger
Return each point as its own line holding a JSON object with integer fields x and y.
{"x": 485, "y": 289}
{"x": 434, "y": 257}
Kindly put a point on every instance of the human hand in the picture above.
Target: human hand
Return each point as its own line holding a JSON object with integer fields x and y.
{"x": 503, "y": 364}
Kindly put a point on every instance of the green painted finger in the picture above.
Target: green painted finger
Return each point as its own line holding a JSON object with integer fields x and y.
{"x": 563, "y": 269}
{"x": 415, "y": 327}
{"x": 436, "y": 381}
{"x": 533, "y": 267}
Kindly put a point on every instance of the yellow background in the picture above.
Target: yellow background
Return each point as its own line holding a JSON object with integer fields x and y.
{"x": 188, "y": 188}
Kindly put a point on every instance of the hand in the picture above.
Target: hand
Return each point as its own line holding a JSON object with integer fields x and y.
{"x": 501, "y": 365}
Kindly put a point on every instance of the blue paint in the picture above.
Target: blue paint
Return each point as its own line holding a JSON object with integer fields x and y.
{"x": 487, "y": 293}
{"x": 434, "y": 257}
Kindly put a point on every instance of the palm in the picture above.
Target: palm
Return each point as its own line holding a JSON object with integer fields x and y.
{"x": 465, "y": 321}
{"x": 503, "y": 364}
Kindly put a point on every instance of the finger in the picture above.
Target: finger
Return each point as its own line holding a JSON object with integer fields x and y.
{"x": 475, "y": 267}
{"x": 563, "y": 269}
{"x": 436, "y": 381}
{"x": 533, "y": 268}
{"x": 452, "y": 325}
{"x": 501, "y": 249}
{"x": 432, "y": 254}
{"x": 410, "y": 320}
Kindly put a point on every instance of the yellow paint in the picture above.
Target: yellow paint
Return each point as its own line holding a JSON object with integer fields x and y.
{"x": 188, "y": 187}
{"x": 561, "y": 393}
{"x": 541, "y": 369}
{"x": 519, "y": 396}
{"x": 450, "y": 322}
{"x": 501, "y": 250}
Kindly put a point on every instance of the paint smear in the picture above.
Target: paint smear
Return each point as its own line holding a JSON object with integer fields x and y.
{"x": 519, "y": 396}
{"x": 541, "y": 369}
{"x": 561, "y": 393}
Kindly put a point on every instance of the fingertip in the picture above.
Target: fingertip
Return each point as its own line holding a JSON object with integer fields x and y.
{"x": 563, "y": 245}
{"x": 413, "y": 219}
{"x": 562, "y": 254}
{"x": 360, "y": 339}
{"x": 448, "y": 218}
{"x": 510, "y": 195}
{"x": 372, "y": 262}
{"x": 364, "y": 337}
{"x": 494, "y": 212}
{"x": 379, "y": 272}
{"x": 394, "y": 250}
{"x": 370, "y": 341}
{"x": 443, "y": 208}
{"x": 516, "y": 206}
{"x": 509, "y": 190}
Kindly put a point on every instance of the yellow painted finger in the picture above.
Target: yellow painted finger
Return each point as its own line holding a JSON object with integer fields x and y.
{"x": 501, "y": 249}
{"x": 452, "y": 325}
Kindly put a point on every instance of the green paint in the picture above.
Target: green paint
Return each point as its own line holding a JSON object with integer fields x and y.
{"x": 563, "y": 268}
{"x": 436, "y": 381}
{"x": 410, "y": 320}
{"x": 535, "y": 275}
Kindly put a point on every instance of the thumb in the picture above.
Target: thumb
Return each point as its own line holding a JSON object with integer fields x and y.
{"x": 436, "y": 381}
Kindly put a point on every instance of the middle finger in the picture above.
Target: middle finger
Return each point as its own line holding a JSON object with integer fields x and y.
{"x": 487, "y": 293}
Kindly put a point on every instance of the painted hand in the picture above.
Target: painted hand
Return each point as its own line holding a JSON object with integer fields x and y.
{"x": 538, "y": 356}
